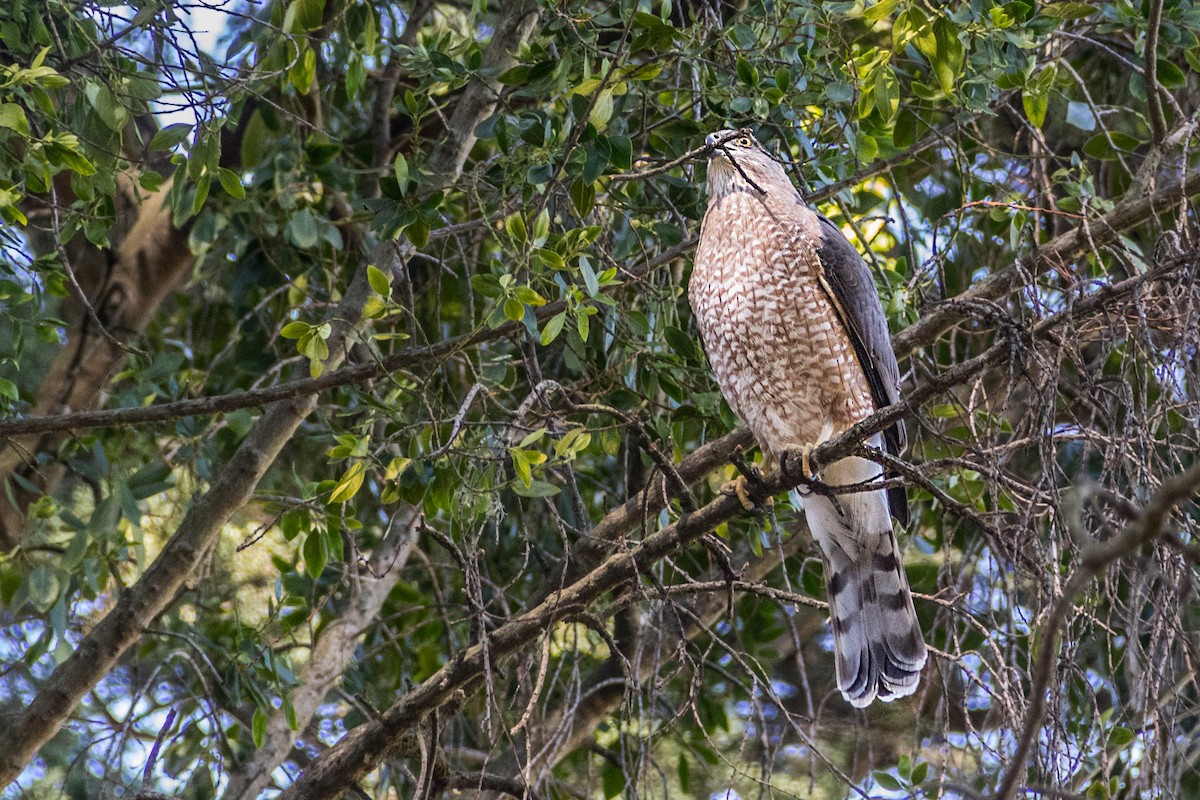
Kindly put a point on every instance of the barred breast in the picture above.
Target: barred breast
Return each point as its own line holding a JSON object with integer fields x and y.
{"x": 772, "y": 336}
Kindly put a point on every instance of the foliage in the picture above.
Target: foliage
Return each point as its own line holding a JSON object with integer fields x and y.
{"x": 528, "y": 363}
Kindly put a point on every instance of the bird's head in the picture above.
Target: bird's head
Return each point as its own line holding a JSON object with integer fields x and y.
{"x": 738, "y": 163}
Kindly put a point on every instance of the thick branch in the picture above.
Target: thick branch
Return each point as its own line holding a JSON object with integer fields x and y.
{"x": 1158, "y": 121}
{"x": 156, "y": 589}
{"x": 478, "y": 101}
{"x": 362, "y": 748}
{"x": 1131, "y": 211}
{"x": 153, "y": 593}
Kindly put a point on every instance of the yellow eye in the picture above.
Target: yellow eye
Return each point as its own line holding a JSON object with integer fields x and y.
{"x": 743, "y": 142}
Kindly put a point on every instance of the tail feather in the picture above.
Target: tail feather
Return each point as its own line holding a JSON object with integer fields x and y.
{"x": 877, "y": 641}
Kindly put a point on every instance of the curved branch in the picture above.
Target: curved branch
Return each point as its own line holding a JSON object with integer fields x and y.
{"x": 331, "y": 654}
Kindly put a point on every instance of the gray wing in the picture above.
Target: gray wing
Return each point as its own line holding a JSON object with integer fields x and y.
{"x": 858, "y": 306}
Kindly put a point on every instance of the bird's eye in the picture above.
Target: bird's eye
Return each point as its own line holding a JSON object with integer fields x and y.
{"x": 743, "y": 141}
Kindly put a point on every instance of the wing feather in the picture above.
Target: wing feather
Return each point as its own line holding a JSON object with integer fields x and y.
{"x": 857, "y": 304}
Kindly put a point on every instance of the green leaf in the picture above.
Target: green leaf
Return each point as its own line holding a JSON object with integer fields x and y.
{"x": 528, "y": 296}
{"x": 231, "y": 183}
{"x": 536, "y": 489}
{"x": 602, "y": 111}
{"x": 304, "y": 16}
{"x": 541, "y": 227}
{"x": 515, "y": 225}
{"x": 316, "y": 553}
{"x": 202, "y": 187}
{"x": 880, "y": 10}
{"x": 170, "y": 137}
{"x": 919, "y": 773}
{"x": 1105, "y": 146}
{"x": 887, "y": 780}
{"x": 887, "y": 93}
{"x": 904, "y": 134}
{"x": 553, "y": 327}
{"x": 254, "y": 140}
{"x": 1121, "y": 736}
{"x": 1068, "y": 11}
{"x": 42, "y": 586}
{"x": 302, "y": 230}
{"x": 258, "y": 727}
{"x": 746, "y": 72}
{"x": 350, "y": 483}
{"x": 621, "y": 152}
{"x": 12, "y": 116}
{"x": 1169, "y": 75}
{"x": 681, "y": 343}
{"x": 304, "y": 72}
{"x": 380, "y": 282}
{"x": 590, "y": 281}
{"x": 1035, "y": 105}
{"x": 294, "y": 330}
{"x": 293, "y": 523}
{"x": 105, "y": 103}
{"x": 612, "y": 780}
{"x": 514, "y": 309}
{"x": 521, "y": 466}
{"x": 400, "y": 169}
{"x": 514, "y": 76}
{"x": 947, "y": 61}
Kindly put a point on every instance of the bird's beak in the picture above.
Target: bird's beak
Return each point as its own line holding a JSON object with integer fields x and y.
{"x": 711, "y": 139}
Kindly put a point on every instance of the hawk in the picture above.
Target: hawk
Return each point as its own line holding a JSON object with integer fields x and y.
{"x": 799, "y": 344}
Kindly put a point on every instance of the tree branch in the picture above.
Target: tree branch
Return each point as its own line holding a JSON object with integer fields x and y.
{"x": 1158, "y": 121}
{"x": 360, "y": 750}
{"x": 156, "y": 589}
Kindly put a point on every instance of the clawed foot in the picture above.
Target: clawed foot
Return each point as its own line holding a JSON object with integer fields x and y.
{"x": 740, "y": 486}
{"x": 804, "y": 470}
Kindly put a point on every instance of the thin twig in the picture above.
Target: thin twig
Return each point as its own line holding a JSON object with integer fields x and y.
{"x": 1158, "y": 121}
{"x": 148, "y": 772}
{"x": 1094, "y": 560}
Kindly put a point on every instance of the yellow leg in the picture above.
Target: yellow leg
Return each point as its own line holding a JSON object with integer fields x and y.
{"x": 804, "y": 452}
{"x": 739, "y": 488}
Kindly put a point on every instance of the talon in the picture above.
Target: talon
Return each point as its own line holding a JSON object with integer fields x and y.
{"x": 738, "y": 487}
{"x": 806, "y": 471}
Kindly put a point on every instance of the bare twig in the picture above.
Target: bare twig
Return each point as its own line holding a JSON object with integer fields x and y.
{"x": 1094, "y": 560}
{"x": 1158, "y": 121}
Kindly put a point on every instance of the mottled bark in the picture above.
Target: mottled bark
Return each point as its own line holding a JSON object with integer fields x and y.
{"x": 125, "y": 287}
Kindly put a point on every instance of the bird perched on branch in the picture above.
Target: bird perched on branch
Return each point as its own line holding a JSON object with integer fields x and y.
{"x": 795, "y": 333}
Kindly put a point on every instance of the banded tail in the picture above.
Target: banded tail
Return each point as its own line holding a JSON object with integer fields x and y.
{"x": 877, "y": 641}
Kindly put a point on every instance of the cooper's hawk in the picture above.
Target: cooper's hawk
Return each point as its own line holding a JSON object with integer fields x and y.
{"x": 797, "y": 338}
